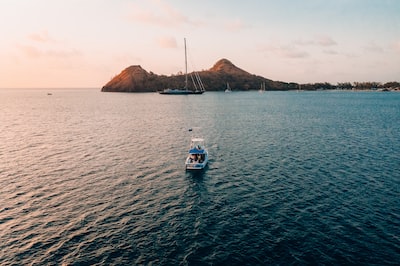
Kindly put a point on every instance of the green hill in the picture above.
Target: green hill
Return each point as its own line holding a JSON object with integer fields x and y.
{"x": 136, "y": 79}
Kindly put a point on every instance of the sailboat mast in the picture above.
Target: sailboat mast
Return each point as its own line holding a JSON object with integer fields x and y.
{"x": 186, "y": 76}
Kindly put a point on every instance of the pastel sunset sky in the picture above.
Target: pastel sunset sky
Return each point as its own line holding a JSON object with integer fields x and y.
{"x": 84, "y": 43}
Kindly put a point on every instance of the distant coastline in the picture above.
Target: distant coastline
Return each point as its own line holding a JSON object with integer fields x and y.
{"x": 135, "y": 79}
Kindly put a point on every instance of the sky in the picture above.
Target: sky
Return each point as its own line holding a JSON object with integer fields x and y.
{"x": 85, "y": 43}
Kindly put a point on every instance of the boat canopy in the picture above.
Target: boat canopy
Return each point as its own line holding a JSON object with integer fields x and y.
{"x": 197, "y": 151}
{"x": 197, "y": 140}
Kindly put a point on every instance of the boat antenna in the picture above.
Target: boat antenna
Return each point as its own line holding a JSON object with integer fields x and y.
{"x": 186, "y": 77}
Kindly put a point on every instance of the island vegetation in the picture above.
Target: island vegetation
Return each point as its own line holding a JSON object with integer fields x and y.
{"x": 136, "y": 79}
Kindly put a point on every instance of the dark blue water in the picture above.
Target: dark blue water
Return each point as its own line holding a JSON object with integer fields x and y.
{"x": 90, "y": 178}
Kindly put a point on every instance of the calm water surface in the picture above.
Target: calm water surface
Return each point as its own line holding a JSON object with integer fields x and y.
{"x": 91, "y": 178}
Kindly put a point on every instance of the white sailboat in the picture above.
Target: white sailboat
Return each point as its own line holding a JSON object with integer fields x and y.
{"x": 299, "y": 88}
{"x": 228, "y": 88}
{"x": 199, "y": 87}
{"x": 262, "y": 88}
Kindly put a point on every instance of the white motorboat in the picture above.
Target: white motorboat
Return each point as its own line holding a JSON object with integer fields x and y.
{"x": 198, "y": 155}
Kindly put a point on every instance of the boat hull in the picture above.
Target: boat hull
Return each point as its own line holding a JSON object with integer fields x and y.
{"x": 180, "y": 92}
{"x": 195, "y": 165}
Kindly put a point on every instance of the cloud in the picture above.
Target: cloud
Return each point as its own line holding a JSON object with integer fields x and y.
{"x": 373, "y": 47}
{"x": 302, "y": 42}
{"x": 325, "y": 41}
{"x": 162, "y": 14}
{"x": 293, "y": 53}
{"x": 287, "y": 51}
{"x": 62, "y": 53}
{"x": 330, "y": 52}
{"x": 316, "y": 41}
{"x": 351, "y": 55}
{"x": 42, "y": 37}
{"x": 43, "y": 45}
{"x": 302, "y": 48}
{"x": 29, "y": 51}
{"x": 34, "y": 52}
{"x": 167, "y": 42}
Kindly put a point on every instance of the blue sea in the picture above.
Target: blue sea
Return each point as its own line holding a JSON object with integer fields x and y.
{"x": 92, "y": 178}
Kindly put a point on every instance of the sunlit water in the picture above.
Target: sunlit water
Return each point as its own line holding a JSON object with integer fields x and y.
{"x": 91, "y": 178}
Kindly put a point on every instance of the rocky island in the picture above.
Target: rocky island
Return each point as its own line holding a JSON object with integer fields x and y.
{"x": 136, "y": 79}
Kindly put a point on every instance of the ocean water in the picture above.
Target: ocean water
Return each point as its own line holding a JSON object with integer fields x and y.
{"x": 91, "y": 178}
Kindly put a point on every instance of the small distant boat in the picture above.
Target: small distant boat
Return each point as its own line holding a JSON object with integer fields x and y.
{"x": 199, "y": 87}
{"x": 49, "y": 93}
{"x": 299, "y": 88}
{"x": 262, "y": 88}
{"x": 228, "y": 88}
{"x": 198, "y": 155}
